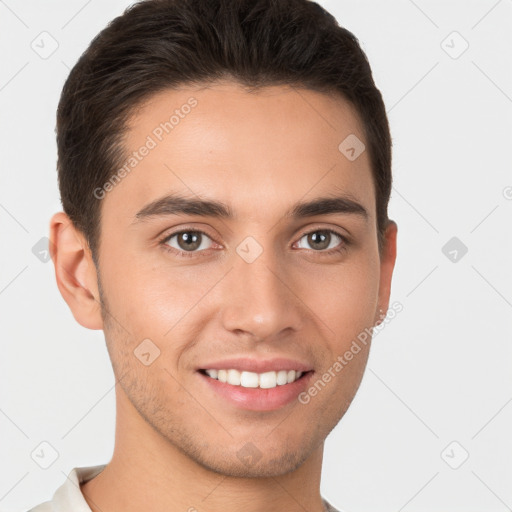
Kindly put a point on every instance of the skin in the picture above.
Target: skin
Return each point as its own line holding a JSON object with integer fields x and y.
{"x": 176, "y": 442}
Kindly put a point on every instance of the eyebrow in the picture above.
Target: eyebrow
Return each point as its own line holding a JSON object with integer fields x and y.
{"x": 174, "y": 204}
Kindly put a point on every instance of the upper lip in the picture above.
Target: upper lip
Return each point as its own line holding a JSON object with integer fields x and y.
{"x": 249, "y": 364}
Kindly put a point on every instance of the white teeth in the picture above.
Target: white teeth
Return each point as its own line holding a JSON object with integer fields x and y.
{"x": 233, "y": 377}
{"x": 282, "y": 377}
{"x": 248, "y": 379}
{"x": 212, "y": 373}
{"x": 266, "y": 380}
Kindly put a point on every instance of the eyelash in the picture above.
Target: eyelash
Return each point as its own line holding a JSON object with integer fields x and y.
{"x": 342, "y": 247}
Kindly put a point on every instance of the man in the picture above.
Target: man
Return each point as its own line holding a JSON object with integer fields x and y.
{"x": 225, "y": 169}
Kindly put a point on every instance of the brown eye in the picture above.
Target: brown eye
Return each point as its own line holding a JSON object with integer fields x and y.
{"x": 322, "y": 239}
{"x": 319, "y": 239}
{"x": 188, "y": 241}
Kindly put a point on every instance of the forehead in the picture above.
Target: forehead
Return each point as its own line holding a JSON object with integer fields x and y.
{"x": 257, "y": 151}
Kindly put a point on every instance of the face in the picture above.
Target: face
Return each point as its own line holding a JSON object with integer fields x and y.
{"x": 249, "y": 280}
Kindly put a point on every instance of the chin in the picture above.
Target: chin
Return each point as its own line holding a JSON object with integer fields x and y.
{"x": 241, "y": 465}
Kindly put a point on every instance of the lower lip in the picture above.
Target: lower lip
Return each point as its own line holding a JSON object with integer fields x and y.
{"x": 258, "y": 399}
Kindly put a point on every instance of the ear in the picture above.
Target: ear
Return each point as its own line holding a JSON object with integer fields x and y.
{"x": 75, "y": 271}
{"x": 387, "y": 264}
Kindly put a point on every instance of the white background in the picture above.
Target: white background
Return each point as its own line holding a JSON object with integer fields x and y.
{"x": 439, "y": 372}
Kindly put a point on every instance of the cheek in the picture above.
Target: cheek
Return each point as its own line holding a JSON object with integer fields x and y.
{"x": 155, "y": 300}
{"x": 345, "y": 296}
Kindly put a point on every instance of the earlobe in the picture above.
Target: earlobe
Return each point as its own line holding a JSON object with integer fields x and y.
{"x": 387, "y": 264}
{"x": 75, "y": 271}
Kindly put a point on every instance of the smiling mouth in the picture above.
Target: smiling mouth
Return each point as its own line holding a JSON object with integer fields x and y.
{"x": 265, "y": 380}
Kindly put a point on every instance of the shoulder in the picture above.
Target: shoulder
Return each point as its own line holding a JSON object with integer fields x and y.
{"x": 43, "y": 507}
{"x": 68, "y": 497}
{"x": 328, "y": 507}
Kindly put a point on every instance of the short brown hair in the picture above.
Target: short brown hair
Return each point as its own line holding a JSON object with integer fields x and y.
{"x": 161, "y": 44}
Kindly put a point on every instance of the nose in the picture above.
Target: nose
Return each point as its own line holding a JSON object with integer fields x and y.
{"x": 259, "y": 298}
